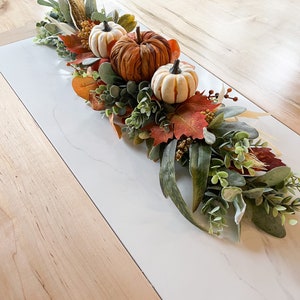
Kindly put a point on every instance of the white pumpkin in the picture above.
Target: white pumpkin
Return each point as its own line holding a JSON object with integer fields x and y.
{"x": 104, "y": 36}
{"x": 174, "y": 83}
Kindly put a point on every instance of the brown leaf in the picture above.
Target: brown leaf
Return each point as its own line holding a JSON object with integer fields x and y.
{"x": 73, "y": 43}
{"x": 267, "y": 157}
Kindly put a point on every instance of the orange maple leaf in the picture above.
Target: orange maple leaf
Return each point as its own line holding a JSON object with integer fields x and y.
{"x": 160, "y": 134}
{"x": 188, "y": 123}
{"x": 199, "y": 102}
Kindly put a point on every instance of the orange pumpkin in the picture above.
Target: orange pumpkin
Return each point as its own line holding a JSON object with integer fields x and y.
{"x": 137, "y": 56}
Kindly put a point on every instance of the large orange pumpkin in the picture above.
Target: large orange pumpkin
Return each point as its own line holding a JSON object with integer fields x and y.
{"x": 137, "y": 56}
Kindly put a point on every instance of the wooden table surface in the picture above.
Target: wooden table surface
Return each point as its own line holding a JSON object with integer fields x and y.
{"x": 253, "y": 47}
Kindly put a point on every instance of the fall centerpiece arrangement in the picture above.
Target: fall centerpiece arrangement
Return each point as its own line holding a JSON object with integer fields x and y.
{"x": 138, "y": 81}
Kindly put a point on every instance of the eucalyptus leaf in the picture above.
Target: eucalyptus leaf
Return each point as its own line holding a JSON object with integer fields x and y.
{"x": 169, "y": 185}
{"x": 107, "y": 74}
{"x": 153, "y": 151}
{"x": 90, "y": 61}
{"x": 114, "y": 16}
{"x": 90, "y": 7}
{"x": 235, "y": 179}
{"x": 274, "y": 176}
{"x": 63, "y": 27}
{"x": 98, "y": 16}
{"x": 240, "y": 208}
{"x": 50, "y": 3}
{"x": 65, "y": 10}
{"x": 199, "y": 164}
{"x": 267, "y": 222}
{"x": 230, "y": 111}
{"x": 229, "y": 193}
{"x": 51, "y": 28}
{"x": 216, "y": 121}
{"x": 209, "y": 137}
{"x": 254, "y": 193}
{"x": 226, "y": 127}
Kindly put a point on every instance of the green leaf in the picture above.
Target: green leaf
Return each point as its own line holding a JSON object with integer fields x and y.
{"x": 226, "y": 127}
{"x": 98, "y": 16}
{"x": 229, "y": 193}
{"x": 267, "y": 222}
{"x": 274, "y": 176}
{"x": 65, "y": 10}
{"x": 254, "y": 193}
{"x": 51, "y": 28}
{"x": 240, "y": 208}
{"x": 107, "y": 74}
{"x": 209, "y": 137}
{"x": 216, "y": 121}
{"x": 128, "y": 22}
{"x": 235, "y": 179}
{"x": 200, "y": 155}
{"x": 90, "y": 7}
{"x": 153, "y": 151}
{"x": 50, "y": 3}
{"x": 168, "y": 183}
{"x": 230, "y": 111}
{"x": 114, "y": 16}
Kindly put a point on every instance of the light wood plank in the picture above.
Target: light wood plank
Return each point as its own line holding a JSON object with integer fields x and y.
{"x": 251, "y": 45}
{"x": 54, "y": 242}
{"x": 18, "y": 18}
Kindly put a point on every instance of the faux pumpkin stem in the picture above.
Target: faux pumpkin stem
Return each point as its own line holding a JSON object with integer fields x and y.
{"x": 107, "y": 28}
{"x": 175, "y": 68}
{"x": 138, "y": 35}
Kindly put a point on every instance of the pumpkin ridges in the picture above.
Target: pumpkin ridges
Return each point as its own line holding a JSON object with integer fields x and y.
{"x": 157, "y": 82}
{"x": 100, "y": 41}
{"x": 174, "y": 88}
{"x": 152, "y": 52}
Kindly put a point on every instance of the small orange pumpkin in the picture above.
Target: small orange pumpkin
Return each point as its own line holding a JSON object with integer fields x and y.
{"x": 174, "y": 83}
{"x": 137, "y": 56}
{"x": 104, "y": 36}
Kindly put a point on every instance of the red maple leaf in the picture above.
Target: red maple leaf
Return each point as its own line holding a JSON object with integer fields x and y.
{"x": 199, "y": 102}
{"x": 73, "y": 43}
{"x": 160, "y": 134}
{"x": 267, "y": 157}
{"x": 188, "y": 123}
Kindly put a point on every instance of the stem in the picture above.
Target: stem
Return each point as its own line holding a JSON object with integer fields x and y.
{"x": 107, "y": 28}
{"x": 175, "y": 68}
{"x": 138, "y": 35}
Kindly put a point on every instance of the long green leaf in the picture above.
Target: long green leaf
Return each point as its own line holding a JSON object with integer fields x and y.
{"x": 65, "y": 10}
{"x": 226, "y": 127}
{"x": 90, "y": 7}
{"x": 200, "y": 155}
{"x": 50, "y": 3}
{"x": 274, "y": 176}
{"x": 169, "y": 186}
{"x": 267, "y": 222}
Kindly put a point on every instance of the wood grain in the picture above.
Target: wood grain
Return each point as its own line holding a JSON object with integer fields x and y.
{"x": 54, "y": 242}
{"x": 251, "y": 45}
{"x": 19, "y": 18}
